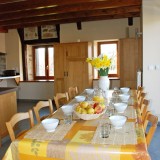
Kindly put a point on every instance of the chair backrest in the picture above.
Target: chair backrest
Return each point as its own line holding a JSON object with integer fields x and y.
{"x": 60, "y": 99}
{"x": 11, "y": 124}
{"x": 140, "y": 100}
{"x": 39, "y": 106}
{"x": 139, "y": 91}
{"x": 152, "y": 127}
{"x": 144, "y": 108}
{"x": 72, "y": 91}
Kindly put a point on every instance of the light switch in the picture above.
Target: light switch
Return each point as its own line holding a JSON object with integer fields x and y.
{"x": 151, "y": 67}
{"x": 157, "y": 67}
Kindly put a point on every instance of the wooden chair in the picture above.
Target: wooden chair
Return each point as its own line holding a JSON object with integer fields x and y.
{"x": 72, "y": 91}
{"x": 60, "y": 99}
{"x": 140, "y": 100}
{"x": 144, "y": 108}
{"x": 152, "y": 127}
{"x": 12, "y": 124}
{"x": 39, "y": 106}
{"x": 139, "y": 91}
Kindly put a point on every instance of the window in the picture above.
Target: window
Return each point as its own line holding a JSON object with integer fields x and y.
{"x": 110, "y": 48}
{"x": 43, "y": 62}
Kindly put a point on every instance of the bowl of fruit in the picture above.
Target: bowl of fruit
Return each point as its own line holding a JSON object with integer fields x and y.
{"x": 88, "y": 110}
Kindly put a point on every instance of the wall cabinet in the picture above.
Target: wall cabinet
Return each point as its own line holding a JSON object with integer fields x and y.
{"x": 71, "y": 68}
{"x": 130, "y": 61}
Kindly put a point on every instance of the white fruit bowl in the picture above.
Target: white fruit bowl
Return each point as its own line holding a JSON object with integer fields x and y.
{"x": 88, "y": 116}
{"x": 118, "y": 121}
{"x": 92, "y": 115}
{"x": 50, "y": 124}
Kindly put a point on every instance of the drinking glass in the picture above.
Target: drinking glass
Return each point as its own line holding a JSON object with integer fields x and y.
{"x": 67, "y": 118}
{"x": 105, "y": 130}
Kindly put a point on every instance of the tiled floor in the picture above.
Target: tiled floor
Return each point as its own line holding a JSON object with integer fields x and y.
{"x": 154, "y": 149}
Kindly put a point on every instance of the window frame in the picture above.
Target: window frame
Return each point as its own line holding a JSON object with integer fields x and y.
{"x": 47, "y": 77}
{"x": 118, "y": 57}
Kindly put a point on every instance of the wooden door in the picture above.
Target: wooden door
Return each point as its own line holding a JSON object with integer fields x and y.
{"x": 59, "y": 68}
{"x": 130, "y": 61}
{"x": 77, "y": 73}
{"x": 71, "y": 68}
{"x": 77, "y": 50}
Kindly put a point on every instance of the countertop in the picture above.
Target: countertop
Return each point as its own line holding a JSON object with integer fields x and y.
{"x": 9, "y": 77}
{"x": 4, "y": 90}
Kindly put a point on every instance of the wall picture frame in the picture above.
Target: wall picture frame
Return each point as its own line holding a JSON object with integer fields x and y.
{"x": 31, "y": 33}
{"x": 48, "y": 31}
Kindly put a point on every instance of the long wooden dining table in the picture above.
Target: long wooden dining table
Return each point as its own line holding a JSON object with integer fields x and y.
{"x": 80, "y": 140}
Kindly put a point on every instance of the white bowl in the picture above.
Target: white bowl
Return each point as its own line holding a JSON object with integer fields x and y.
{"x": 80, "y": 98}
{"x": 120, "y": 107}
{"x": 124, "y": 97}
{"x": 117, "y": 121}
{"x": 67, "y": 109}
{"x": 88, "y": 116}
{"x": 50, "y": 124}
{"x": 89, "y": 91}
{"x": 124, "y": 89}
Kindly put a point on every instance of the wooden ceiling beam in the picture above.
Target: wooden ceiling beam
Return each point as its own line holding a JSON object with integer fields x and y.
{"x": 73, "y": 15}
{"x": 25, "y": 13}
{"x": 10, "y": 1}
{"x": 3, "y": 30}
{"x": 73, "y": 20}
{"x": 30, "y": 4}
{"x": 54, "y": 10}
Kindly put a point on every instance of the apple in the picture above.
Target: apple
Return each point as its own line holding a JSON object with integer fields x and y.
{"x": 89, "y": 106}
{"x": 84, "y": 104}
{"x": 95, "y": 104}
{"x": 90, "y": 111}
{"x": 98, "y": 109}
{"x": 78, "y": 109}
{"x": 103, "y": 106}
{"x": 83, "y": 111}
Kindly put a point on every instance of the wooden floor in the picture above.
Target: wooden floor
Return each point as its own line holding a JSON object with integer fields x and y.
{"x": 24, "y": 106}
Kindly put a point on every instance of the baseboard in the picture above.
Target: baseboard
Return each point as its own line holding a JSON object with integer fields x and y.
{"x": 27, "y": 100}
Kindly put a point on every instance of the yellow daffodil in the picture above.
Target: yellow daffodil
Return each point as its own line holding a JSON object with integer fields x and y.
{"x": 101, "y": 63}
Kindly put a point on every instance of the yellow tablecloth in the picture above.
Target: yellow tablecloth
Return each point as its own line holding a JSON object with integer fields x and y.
{"x": 76, "y": 145}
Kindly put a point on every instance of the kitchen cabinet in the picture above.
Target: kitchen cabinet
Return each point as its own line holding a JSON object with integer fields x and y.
{"x": 71, "y": 68}
{"x": 130, "y": 61}
{"x": 8, "y": 107}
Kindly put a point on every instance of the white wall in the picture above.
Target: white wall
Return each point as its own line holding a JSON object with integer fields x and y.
{"x": 151, "y": 52}
{"x": 36, "y": 90}
{"x": 91, "y": 31}
{"x": 98, "y": 30}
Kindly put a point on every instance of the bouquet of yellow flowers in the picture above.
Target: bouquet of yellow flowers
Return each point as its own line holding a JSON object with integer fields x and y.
{"x": 101, "y": 63}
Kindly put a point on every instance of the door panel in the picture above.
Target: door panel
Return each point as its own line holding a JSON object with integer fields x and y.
{"x": 130, "y": 61}
{"x": 76, "y": 74}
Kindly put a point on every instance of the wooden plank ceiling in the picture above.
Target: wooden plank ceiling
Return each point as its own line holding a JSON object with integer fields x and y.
{"x": 26, "y": 13}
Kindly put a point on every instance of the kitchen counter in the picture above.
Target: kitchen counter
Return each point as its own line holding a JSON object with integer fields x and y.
{"x": 16, "y": 78}
{"x": 9, "y": 77}
{"x": 4, "y": 90}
